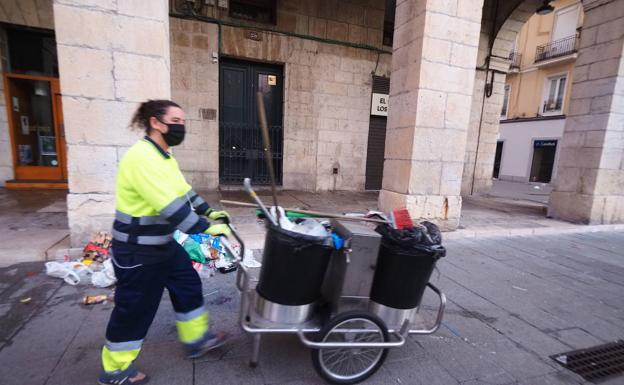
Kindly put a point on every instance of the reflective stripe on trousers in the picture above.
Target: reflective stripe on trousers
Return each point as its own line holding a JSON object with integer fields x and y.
{"x": 192, "y": 326}
{"x": 119, "y": 355}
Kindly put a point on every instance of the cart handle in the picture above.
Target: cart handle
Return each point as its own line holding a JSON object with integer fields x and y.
{"x": 240, "y": 242}
{"x": 319, "y": 345}
{"x": 242, "y": 271}
{"x": 438, "y": 320}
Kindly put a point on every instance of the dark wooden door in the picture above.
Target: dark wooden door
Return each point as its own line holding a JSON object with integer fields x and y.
{"x": 241, "y": 151}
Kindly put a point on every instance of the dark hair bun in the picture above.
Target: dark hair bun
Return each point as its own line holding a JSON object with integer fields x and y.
{"x": 155, "y": 108}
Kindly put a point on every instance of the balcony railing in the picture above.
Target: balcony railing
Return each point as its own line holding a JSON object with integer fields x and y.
{"x": 552, "y": 105}
{"x": 557, "y": 48}
{"x": 516, "y": 58}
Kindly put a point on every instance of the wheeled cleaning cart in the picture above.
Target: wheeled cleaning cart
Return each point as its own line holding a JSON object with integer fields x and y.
{"x": 348, "y": 305}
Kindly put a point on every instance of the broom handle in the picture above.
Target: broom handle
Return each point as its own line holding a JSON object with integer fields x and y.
{"x": 268, "y": 155}
{"x": 308, "y": 212}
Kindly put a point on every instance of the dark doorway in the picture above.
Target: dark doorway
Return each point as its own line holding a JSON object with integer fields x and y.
{"x": 543, "y": 160}
{"x": 241, "y": 152}
{"x": 497, "y": 159}
{"x": 375, "y": 153}
{"x": 376, "y": 139}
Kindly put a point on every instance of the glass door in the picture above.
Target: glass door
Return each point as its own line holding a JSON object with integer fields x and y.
{"x": 35, "y": 125}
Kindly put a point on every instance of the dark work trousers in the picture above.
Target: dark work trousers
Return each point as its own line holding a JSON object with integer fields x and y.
{"x": 140, "y": 286}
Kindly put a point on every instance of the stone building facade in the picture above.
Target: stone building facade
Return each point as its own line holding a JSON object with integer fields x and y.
{"x": 537, "y": 94}
{"x": 447, "y": 70}
{"x": 327, "y": 95}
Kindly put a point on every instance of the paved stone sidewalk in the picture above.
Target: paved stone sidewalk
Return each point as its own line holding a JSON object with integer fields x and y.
{"x": 36, "y": 222}
{"x": 31, "y": 222}
{"x": 513, "y": 302}
{"x": 526, "y": 191}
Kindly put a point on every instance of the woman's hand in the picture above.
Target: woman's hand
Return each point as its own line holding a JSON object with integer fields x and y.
{"x": 215, "y": 215}
{"x": 218, "y": 229}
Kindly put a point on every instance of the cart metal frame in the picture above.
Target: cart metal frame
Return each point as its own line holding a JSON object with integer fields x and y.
{"x": 251, "y": 322}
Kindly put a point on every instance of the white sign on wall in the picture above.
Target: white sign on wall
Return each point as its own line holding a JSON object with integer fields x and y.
{"x": 379, "y": 105}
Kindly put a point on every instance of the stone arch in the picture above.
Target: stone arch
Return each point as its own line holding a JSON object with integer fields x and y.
{"x": 485, "y": 111}
{"x": 514, "y": 16}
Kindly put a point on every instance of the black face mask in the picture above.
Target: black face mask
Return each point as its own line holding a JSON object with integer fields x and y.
{"x": 175, "y": 134}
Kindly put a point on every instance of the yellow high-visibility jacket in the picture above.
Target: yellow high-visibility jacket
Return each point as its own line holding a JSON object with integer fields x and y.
{"x": 153, "y": 198}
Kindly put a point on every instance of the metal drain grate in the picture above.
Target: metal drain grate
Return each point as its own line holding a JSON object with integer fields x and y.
{"x": 595, "y": 364}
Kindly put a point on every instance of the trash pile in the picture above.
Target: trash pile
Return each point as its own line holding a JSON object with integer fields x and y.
{"x": 210, "y": 253}
{"x": 94, "y": 266}
{"x": 206, "y": 252}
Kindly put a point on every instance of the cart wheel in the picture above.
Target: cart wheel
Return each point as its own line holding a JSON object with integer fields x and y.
{"x": 350, "y": 365}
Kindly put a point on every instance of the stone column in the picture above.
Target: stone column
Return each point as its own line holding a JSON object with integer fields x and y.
{"x": 433, "y": 72}
{"x": 112, "y": 55}
{"x": 589, "y": 186}
{"x": 483, "y": 130}
{"x": 485, "y": 112}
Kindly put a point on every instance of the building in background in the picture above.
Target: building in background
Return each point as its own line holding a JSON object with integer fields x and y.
{"x": 316, "y": 65}
{"x": 537, "y": 94}
{"x": 74, "y": 72}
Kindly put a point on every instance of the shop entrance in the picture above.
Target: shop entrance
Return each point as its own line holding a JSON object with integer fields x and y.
{"x": 543, "y": 160}
{"x": 35, "y": 126}
{"x": 34, "y": 111}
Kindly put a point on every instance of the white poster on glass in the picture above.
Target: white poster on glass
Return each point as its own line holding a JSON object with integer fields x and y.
{"x": 25, "y": 125}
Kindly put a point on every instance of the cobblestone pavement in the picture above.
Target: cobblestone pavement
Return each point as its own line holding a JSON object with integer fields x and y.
{"x": 513, "y": 302}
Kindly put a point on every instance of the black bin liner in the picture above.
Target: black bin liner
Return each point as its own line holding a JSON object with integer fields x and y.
{"x": 293, "y": 267}
{"x": 404, "y": 266}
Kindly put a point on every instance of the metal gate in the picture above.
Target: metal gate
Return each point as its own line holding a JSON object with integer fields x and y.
{"x": 376, "y": 140}
{"x": 241, "y": 151}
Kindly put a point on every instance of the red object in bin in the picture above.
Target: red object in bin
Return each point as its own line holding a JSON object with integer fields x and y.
{"x": 402, "y": 219}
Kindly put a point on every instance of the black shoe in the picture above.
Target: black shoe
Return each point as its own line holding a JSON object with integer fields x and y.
{"x": 211, "y": 341}
{"x": 122, "y": 377}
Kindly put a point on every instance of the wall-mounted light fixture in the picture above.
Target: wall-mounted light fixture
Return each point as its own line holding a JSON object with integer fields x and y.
{"x": 545, "y": 8}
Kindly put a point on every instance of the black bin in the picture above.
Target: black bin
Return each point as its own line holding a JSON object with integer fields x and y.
{"x": 402, "y": 273}
{"x": 293, "y": 267}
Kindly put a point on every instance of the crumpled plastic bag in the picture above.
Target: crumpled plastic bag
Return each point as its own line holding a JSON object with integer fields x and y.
{"x": 105, "y": 277}
{"x": 249, "y": 260}
{"x": 433, "y": 232}
{"x": 311, "y": 227}
{"x": 71, "y": 272}
{"x": 194, "y": 250}
{"x": 307, "y": 226}
{"x": 285, "y": 223}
